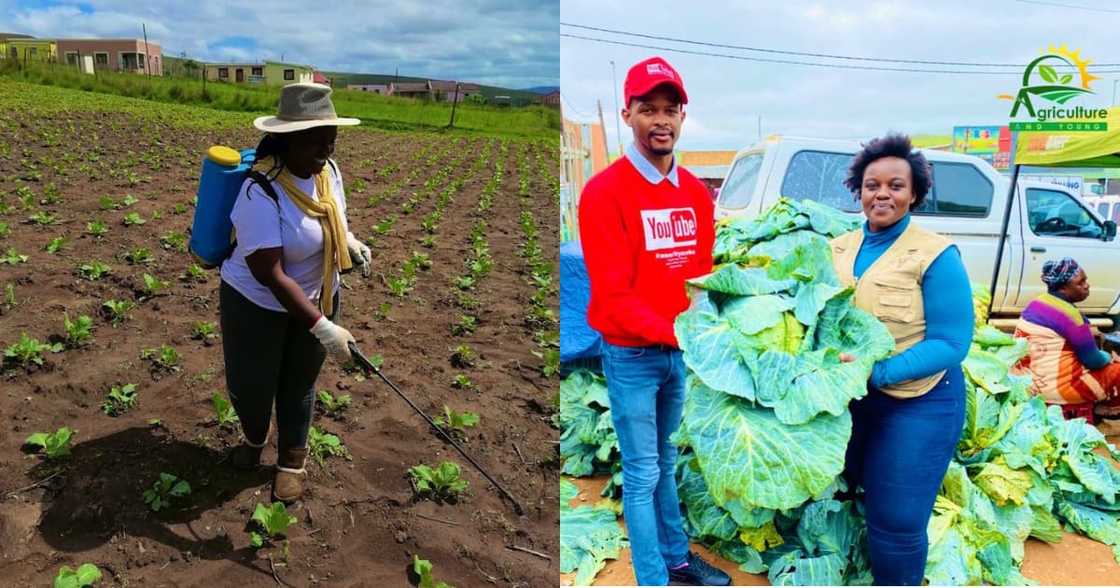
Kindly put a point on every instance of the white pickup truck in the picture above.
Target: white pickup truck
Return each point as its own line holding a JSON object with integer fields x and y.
{"x": 966, "y": 204}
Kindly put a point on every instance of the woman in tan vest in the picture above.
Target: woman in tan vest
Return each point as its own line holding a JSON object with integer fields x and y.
{"x": 905, "y": 430}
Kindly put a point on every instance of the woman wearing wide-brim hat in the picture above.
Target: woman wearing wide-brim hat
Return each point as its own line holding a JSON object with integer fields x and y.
{"x": 280, "y": 286}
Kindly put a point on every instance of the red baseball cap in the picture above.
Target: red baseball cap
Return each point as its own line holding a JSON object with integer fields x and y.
{"x": 647, "y": 75}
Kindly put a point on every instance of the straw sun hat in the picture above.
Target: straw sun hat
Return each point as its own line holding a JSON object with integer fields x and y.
{"x": 303, "y": 106}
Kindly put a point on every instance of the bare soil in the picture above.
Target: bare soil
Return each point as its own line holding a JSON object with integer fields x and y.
{"x": 360, "y": 523}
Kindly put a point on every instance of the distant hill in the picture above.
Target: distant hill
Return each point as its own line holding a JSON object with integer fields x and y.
{"x": 542, "y": 89}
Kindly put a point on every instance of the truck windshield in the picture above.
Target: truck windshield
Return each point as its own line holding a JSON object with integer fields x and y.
{"x": 738, "y": 188}
{"x": 819, "y": 175}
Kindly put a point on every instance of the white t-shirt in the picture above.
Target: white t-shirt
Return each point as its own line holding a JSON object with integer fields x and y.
{"x": 262, "y": 223}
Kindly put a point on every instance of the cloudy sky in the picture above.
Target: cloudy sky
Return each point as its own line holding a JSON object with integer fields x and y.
{"x": 510, "y": 43}
{"x": 728, "y": 95}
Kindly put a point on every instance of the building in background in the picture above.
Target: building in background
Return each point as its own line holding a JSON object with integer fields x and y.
{"x": 382, "y": 89}
{"x": 550, "y": 99}
{"x": 583, "y": 153}
{"x": 236, "y": 73}
{"x": 709, "y": 166}
{"x": 444, "y": 91}
{"x": 271, "y": 73}
{"x": 123, "y": 55}
{"x": 419, "y": 90}
{"x": 29, "y": 49}
{"x": 277, "y": 73}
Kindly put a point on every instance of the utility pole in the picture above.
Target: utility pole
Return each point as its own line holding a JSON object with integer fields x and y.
{"x": 617, "y": 111}
{"x": 606, "y": 152}
{"x": 147, "y": 56}
{"x": 454, "y": 102}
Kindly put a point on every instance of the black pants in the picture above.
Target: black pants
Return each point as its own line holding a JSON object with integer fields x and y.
{"x": 270, "y": 358}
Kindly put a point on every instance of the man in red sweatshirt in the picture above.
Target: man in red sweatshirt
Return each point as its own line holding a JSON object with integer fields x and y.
{"x": 646, "y": 226}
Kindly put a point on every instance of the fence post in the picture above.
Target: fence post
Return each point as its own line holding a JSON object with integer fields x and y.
{"x": 454, "y": 103}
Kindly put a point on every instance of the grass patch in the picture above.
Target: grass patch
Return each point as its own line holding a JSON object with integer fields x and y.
{"x": 239, "y": 102}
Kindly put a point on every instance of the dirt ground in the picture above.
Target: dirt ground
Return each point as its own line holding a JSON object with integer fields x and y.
{"x": 1075, "y": 561}
{"x": 359, "y": 524}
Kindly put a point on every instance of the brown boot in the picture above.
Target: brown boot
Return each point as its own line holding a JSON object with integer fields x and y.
{"x": 287, "y": 487}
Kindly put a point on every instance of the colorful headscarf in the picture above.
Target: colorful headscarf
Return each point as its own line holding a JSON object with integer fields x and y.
{"x": 1057, "y": 273}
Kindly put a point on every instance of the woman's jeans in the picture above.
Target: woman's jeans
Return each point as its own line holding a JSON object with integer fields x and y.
{"x": 646, "y": 390}
{"x": 899, "y": 452}
{"x": 270, "y": 358}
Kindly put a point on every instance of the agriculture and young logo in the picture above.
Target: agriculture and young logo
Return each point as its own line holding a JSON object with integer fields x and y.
{"x": 1057, "y": 77}
{"x": 669, "y": 228}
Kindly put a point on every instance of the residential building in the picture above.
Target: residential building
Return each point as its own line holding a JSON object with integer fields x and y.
{"x": 30, "y": 49}
{"x": 236, "y": 73}
{"x": 272, "y": 73}
{"x": 131, "y": 55}
{"x": 277, "y": 73}
{"x": 550, "y": 99}
{"x": 444, "y": 91}
{"x": 382, "y": 89}
{"x": 320, "y": 78}
{"x": 583, "y": 153}
{"x": 421, "y": 90}
{"x": 709, "y": 166}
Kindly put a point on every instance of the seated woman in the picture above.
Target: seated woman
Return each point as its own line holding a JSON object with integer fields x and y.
{"x": 1064, "y": 362}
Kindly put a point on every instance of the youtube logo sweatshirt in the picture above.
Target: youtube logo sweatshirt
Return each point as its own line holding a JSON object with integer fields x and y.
{"x": 640, "y": 242}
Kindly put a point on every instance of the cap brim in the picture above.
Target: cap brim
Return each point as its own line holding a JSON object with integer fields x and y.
{"x": 272, "y": 124}
{"x": 663, "y": 82}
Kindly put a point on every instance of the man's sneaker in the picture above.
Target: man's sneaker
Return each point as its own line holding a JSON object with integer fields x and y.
{"x": 697, "y": 572}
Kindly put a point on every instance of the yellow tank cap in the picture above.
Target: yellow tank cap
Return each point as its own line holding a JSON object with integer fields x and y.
{"x": 222, "y": 155}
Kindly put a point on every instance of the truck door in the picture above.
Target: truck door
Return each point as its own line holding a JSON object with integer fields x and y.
{"x": 1057, "y": 226}
{"x": 966, "y": 205}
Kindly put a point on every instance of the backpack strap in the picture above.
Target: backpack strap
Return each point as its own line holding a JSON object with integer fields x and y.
{"x": 262, "y": 181}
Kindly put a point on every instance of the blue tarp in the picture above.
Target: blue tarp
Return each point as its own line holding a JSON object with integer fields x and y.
{"x": 577, "y": 339}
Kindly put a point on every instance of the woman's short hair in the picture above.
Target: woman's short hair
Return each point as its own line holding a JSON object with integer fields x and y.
{"x": 892, "y": 145}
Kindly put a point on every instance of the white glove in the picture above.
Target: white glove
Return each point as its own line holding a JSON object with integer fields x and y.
{"x": 360, "y": 254}
{"x": 334, "y": 338}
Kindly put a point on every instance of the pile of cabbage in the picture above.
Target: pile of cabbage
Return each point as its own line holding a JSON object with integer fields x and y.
{"x": 588, "y": 442}
{"x": 766, "y": 422}
{"x": 1021, "y": 470}
{"x": 766, "y": 425}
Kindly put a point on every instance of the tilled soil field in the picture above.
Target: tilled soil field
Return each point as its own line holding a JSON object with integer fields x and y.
{"x": 419, "y": 199}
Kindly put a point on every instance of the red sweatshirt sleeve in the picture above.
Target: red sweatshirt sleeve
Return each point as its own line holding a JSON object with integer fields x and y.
{"x": 611, "y": 256}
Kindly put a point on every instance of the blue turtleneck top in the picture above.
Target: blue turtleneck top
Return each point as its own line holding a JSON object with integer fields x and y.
{"x": 946, "y": 299}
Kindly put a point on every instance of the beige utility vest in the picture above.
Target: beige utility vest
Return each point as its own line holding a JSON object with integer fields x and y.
{"x": 891, "y": 289}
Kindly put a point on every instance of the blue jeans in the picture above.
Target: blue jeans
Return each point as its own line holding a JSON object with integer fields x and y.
{"x": 899, "y": 452}
{"x": 646, "y": 390}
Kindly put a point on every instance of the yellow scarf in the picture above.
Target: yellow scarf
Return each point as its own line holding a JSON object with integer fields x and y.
{"x": 335, "y": 253}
